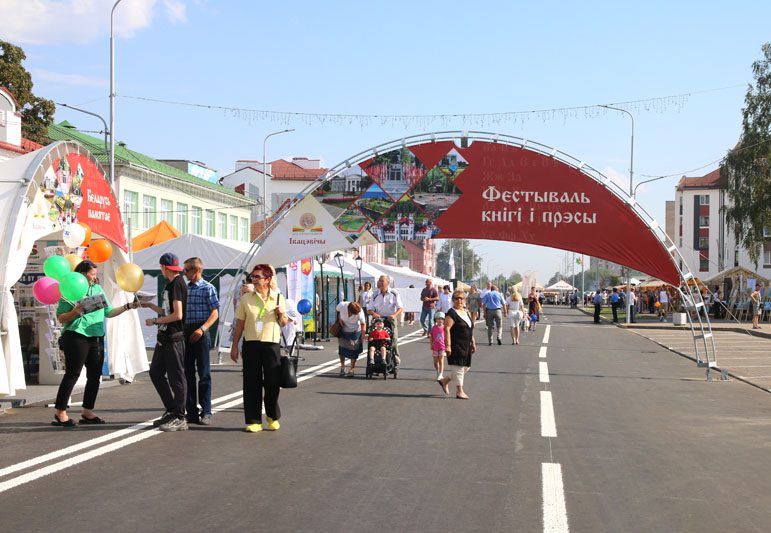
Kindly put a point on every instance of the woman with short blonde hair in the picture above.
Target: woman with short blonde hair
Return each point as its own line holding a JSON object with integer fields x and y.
{"x": 515, "y": 310}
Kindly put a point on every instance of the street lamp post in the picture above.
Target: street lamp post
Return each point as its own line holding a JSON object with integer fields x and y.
{"x": 631, "y": 193}
{"x": 265, "y": 168}
{"x": 112, "y": 92}
{"x": 359, "y": 262}
{"x": 339, "y": 263}
{"x": 320, "y": 260}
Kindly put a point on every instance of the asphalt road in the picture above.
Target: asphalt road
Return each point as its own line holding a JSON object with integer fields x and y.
{"x": 592, "y": 429}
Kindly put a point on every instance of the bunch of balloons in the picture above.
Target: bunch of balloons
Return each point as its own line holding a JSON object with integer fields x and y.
{"x": 60, "y": 281}
{"x": 79, "y": 234}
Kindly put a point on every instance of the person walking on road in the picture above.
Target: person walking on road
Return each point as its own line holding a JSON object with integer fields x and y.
{"x": 387, "y": 304}
{"x": 755, "y": 308}
{"x": 632, "y": 305}
{"x": 260, "y": 315}
{"x": 515, "y": 310}
{"x": 200, "y": 315}
{"x": 429, "y": 296}
{"x": 352, "y": 333}
{"x": 493, "y": 303}
{"x": 474, "y": 303}
{"x": 167, "y": 368}
{"x": 663, "y": 303}
{"x": 445, "y": 301}
{"x": 364, "y": 298}
{"x": 81, "y": 341}
{"x": 597, "y": 300}
{"x": 459, "y": 344}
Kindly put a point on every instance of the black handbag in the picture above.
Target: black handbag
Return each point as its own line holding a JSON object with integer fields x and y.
{"x": 288, "y": 372}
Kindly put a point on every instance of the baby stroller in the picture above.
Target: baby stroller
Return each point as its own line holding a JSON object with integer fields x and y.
{"x": 378, "y": 366}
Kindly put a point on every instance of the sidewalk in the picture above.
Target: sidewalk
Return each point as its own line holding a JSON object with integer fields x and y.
{"x": 744, "y": 353}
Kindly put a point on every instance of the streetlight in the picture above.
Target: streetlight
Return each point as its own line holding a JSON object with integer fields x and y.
{"x": 339, "y": 263}
{"x": 320, "y": 260}
{"x": 265, "y": 167}
{"x": 631, "y": 193}
{"x": 112, "y": 93}
{"x": 106, "y": 131}
{"x": 359, "y": 262}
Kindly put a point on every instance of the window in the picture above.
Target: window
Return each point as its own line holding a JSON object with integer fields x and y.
{"x": 703, "y": 243}
{"x": 209, "y": 223}
{"x": 167, "y": 206}
{"x": 222, "y": 225}
{"x": 131, "y": 207}
{"x": 703, "y": 222}
{"x": 182, "y": 217}
{"x": 148, "y": 211}
{"x": 736, "y": 258}
{"x": 766, "y": 231}
{"x": 703, "y": 265}
{"x": 233, "y": 230}
{"x": 195, "y": 220}
{"x": 767, "y": 255}
{"x": 244, "y": 227}
{"x": 704, "y": 199}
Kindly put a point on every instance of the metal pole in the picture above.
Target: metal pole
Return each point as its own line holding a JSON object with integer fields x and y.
{"x": 112, "y": 93}
{"x": 106, "y": 130}
{"x": 265, "y": 168}
{"x": 631, "y": 193}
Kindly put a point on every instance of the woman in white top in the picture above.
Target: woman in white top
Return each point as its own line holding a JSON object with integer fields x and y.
{"x": 516, "y": 312}
{"x": 354, "y": 327}
{"x": 444, "y": 303}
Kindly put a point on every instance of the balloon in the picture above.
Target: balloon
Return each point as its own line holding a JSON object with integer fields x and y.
{"x": 56, "y": 267}
{"x": 46, "y": 290}
{"x": 304, "y": 306}
{"x": 73, "y": 235}
{"x": 87, "y": 238}
{"x": 657, "y": 305}
{"x": 99, "y": 251}
{"x": 73, "y": 259}
{"x": 130, "y": 277}
{"x": 73, "y": 286}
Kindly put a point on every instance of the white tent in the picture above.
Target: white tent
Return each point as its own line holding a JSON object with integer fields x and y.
{"x": 25, "y": 208}
{"x": 404, "y": 277}
{"x": 561, "y": 286}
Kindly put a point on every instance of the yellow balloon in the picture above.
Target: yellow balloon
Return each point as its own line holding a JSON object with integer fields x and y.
{"x": 130, "y": 277}
{"x": 74, "y": 260}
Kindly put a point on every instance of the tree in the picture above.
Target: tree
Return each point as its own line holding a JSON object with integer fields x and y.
{"x": 746, "y": 170}
{"x": 396, "y": 250}
{"x": 38, "y": 113}
{"x": 467, "y": 263}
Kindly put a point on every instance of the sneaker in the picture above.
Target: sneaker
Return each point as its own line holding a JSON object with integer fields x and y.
{"x": 499, "y": 341}
{"x": 342, "y": 372}
{"x": 167, "y": 417}
{"x": 205, "y": 420}
{"x": 253, "y": 428}
{"x": 175, "y": 424}
{"x": 273, "y": 425}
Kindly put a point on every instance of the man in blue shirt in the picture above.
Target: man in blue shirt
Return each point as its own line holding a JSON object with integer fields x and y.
{"x": 493, "y": 303}
{"x": 201, "y": 313}
{"x": 614, "y": 303}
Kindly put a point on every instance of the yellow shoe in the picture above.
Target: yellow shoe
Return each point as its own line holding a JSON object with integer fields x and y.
{"x": 273, "y": 425}
{"x": 253, "y": 428}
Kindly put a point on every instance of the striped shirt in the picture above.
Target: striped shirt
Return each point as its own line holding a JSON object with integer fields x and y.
{"x": 201, "y": 301}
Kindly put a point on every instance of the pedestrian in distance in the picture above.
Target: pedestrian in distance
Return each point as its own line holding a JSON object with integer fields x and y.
{"x": 429, "y": 297}
{"x": 459, "y": 344}
{"x": 201, "y": 314}
{"x": 81, "y": 340}
{"x": 632, "y": 306}
{"x": 614, "y": 303}
{"x": 260, "y": 315}
{"x": 409, "y": 316}
{"x": 365, "y": 296}
{"x": 474, "y": 302}
{"x": 352, "y": 332}
{"x": 532, "y": 310}
{"x": 438, "y": 346}
{"x": 756, "y": 309}
{"x": 445, "y": 299}
{"x": 493, "y": 303}
{"x": 167, "y": 368}
{"x": 597, "y": 300}
{"x": 663, "y": 303}
{"x": 515, "y": 311}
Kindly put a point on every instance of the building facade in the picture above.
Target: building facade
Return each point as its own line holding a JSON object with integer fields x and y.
{"x": 12, "y": 144}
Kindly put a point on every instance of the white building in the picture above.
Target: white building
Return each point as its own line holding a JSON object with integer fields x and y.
{"x": 701, "y": 232}
{"x": 12, "y": 144}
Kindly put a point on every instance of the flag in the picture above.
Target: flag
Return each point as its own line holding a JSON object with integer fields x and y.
{"x": 451, "y": 263}
{"x": 579, "y": 261}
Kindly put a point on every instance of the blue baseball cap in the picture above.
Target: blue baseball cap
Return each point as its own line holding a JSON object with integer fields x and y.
{"x": 171, "y": 262}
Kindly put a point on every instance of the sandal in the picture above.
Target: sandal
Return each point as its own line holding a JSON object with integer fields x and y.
{"x": 95, "y": 420}
{"x": 69, "y": 423}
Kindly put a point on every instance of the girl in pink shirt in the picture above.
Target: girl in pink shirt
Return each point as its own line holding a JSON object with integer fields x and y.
{"x": 437, "y": 345}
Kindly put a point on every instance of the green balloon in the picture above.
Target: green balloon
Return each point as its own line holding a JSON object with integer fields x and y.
{"x": 73, "y": 286}
{"x": 56, "y": 267}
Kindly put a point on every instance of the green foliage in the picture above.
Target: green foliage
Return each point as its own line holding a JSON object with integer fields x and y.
{"x": 396, "y": 250}
{"x": 746, "y": 170}
{"x": 38, "y": 113}
{"x": 464, "y": 255}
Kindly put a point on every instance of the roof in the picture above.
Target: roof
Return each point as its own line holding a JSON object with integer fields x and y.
{"x": 161, "y": 232}
{"x": 64, "y": 131}
{"x": 708, "y": 181}
{"x": 288, "y": 171}
{"x": 26, "y": 147}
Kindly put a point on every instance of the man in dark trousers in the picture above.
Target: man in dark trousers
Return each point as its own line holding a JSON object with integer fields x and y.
{"x": 614, "y": 303}
{"x": 597, "y": 306}
{"x": 167, "y": 369}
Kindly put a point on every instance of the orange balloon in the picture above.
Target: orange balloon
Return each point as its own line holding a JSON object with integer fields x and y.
{"x": 657, "y": 305}
{"x": 88, "y": 234}
{"x": 99, "y": 251}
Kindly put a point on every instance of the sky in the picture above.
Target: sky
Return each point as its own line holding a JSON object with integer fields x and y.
{"x": 685, "y": 66}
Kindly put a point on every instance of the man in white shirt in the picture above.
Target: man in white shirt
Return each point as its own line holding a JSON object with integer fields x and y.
{"x": 664, "y": 301}
{"x": 386, "y": 303}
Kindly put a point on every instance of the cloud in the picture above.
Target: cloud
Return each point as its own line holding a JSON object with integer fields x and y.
{"x": 44, "y": 22}
{"x": 619, "y": 178}
{"x": 70, "y": 79}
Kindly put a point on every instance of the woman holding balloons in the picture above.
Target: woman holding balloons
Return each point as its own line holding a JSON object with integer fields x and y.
{"x": 81, "y": 340}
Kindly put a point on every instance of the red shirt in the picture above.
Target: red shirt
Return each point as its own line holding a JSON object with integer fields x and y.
{"x": 379, "y": 334}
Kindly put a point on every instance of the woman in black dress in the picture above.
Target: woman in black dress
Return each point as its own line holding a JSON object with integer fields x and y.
{"x": 459, "y": 344}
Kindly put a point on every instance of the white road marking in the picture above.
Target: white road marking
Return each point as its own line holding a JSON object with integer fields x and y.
{"x": 548, "y": 425}
{"x": 543, "y": 372}
{"x": 555, "y": 516}
{"x": 542, "y": 352}
{"x": 546, "y": 335}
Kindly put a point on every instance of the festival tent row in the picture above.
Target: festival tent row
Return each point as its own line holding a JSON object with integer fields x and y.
{"x": 561, "y": 286}
{"x": 404, "y": 277}
{"x": 42, "y": 194}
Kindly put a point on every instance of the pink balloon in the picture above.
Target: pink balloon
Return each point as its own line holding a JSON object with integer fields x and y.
{"x": 46, "y": 290}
